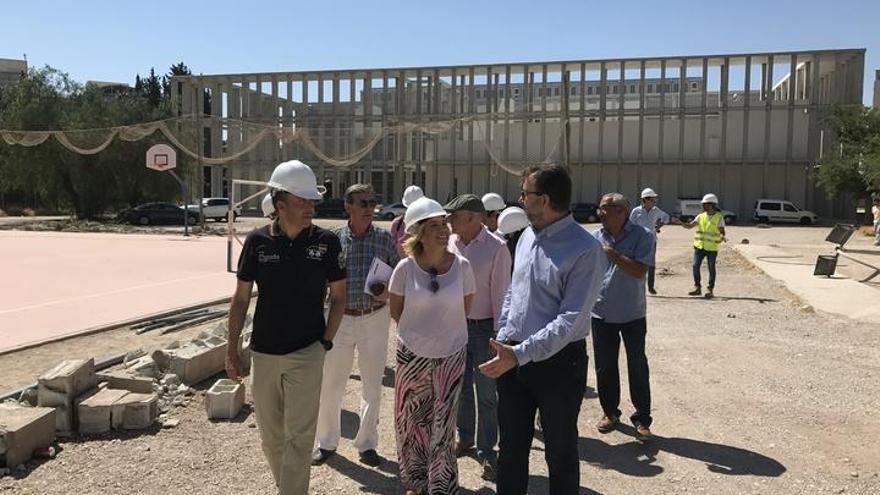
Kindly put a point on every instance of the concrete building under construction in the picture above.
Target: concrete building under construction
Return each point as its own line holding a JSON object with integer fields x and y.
{"x": 744, "y": 126}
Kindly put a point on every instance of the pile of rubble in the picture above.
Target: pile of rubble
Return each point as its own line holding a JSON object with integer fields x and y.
{"x": 74, "y": 397}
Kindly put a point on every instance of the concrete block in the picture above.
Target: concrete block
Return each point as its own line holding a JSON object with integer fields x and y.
{"x": 134, "y": 411}
{"x": 143, "y": 366}
{"x": 224, "y": 399}
{"x": 64, "y": 417}
{"x": 197, "y": 360}
{"x": 94, "y": 412}
{"x": 23, "y": 429}
{"x": 71, "y": 377}
{"x": 126, "y": 380}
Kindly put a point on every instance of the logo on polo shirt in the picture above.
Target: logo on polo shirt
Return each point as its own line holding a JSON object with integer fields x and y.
{"x": 263, "y": 257}
{"x": 316, "y": 252}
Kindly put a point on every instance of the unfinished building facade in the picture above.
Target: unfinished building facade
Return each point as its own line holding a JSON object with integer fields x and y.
{"x": 743, "y": 126}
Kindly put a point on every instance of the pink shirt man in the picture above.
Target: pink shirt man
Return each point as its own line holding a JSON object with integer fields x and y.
{"x": 490, "y": 261}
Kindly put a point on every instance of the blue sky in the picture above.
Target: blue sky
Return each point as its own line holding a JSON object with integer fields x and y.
{"x": 112, "y": 41}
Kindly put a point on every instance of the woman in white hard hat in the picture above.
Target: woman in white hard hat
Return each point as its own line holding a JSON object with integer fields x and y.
{"x": 651, "y": 217}
{"x": 511, "y": 223}
{"x": 494, "y": 205}
{"x": 707, "y": 240}
{"x": 431, "y": 292}
{"x": 398, "y": 229}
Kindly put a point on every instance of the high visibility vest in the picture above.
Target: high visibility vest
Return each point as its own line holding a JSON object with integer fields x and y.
{"x": 707, "y": 236}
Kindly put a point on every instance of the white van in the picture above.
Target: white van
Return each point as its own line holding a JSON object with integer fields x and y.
{"x": 780, "y": 210}
{"x": 687, "y": 209}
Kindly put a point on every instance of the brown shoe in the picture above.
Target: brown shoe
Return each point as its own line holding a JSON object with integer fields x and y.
{"x": 463, "y": 449}
{"x": 607, "y": 423}
{"x": 643, "y": 433}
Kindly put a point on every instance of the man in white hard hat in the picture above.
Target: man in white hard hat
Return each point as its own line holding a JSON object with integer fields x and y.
{"x": 494, "y": 205}
{"x": 398, "y": 227}
{"x": 651, "y": 217}
{"x": 364, "y": 329}
{"x": 511, "y": 223}
{"x": 707, "y": 239}
{"x": 293, "y": 262}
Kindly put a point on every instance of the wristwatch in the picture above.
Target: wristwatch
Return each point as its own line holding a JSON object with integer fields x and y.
{"x": 328, "y": 344}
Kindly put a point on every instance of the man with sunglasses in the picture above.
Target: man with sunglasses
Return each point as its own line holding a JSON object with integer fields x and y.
{"x": 293, "y": 262}
{"x": 364, "y": 328}
{"x": 490, "y": 261}
{"x": 541, "y": 355}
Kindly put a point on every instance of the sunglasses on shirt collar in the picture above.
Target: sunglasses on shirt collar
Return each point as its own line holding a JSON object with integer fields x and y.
{"x": 435, "y": 285}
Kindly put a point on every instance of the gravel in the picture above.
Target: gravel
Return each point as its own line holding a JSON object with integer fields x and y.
{"x": 753, "y": 392}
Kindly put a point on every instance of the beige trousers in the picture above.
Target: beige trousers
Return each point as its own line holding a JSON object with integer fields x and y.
{"x": 286, "y": 389}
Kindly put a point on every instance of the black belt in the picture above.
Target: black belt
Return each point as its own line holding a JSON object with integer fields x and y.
{"x": 471, "y": 321}
{"x": 363, "y": 312}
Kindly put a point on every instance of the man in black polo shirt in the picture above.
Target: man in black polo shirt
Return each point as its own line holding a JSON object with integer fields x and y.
{"x": 292, "y": 262}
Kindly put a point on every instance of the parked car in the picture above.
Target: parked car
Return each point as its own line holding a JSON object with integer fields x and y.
{"x": 388, "y": 212}
{"x": 585, "y": 212}
{"x": 330, "y": 208}
{"x": 216, "y": 209}
{"x": 159, "y": 213}
{"x": 688, "y": 208}
{"x": 780, "y": 210}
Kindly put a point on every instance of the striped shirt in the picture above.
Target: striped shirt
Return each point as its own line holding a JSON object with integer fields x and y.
{"x": 359, "y": 253}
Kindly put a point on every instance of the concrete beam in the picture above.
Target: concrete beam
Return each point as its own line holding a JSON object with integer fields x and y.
{"x": 22, "y": 430}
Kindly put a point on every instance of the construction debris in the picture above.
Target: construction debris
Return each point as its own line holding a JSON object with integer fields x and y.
{"x": 61, "y": 386}
{"x": 168, "y": 324}
{"x": 24, "y": 430}
{"x": 224, "y": 399}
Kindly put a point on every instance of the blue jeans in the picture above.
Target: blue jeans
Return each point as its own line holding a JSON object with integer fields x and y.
{"x": 486, "y": 418}
{"x": 710, "y": 256}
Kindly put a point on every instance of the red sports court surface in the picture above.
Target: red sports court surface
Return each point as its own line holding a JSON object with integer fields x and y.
{"x": 56, "y": 284}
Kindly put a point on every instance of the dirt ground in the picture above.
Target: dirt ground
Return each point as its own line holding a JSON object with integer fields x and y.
{"x": 751, "y": 394}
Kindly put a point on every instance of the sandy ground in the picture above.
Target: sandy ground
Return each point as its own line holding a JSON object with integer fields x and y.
{"x": 751, "y": 394}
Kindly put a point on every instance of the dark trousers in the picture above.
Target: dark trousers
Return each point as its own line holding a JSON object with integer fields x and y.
{"x": 555, "y": 388}
{"x": 651, "y": 274}
{"x": 710, "y": 256}
{"x": 606, "y": 345}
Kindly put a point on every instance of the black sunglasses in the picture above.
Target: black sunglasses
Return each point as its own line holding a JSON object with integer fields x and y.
{"x": 365, "y": 203}
{"x": 435, "y": 285}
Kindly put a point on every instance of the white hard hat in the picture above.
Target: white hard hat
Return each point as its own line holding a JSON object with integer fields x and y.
{"x": 410, "y": 194}
{"x": 422, "y": 209}
{"x": 648, "y": 193}
{"x": 511, "y": 220}
{"x": 710, "y": 198}
{"x": 296, "y": 178}
{"x": 267, "y": 206}
{"x": 493, "y": 202}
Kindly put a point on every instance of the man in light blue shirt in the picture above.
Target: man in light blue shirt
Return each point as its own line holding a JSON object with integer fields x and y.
{"x": 651, "y": 217}
{"x": 541, "y": 353}
{"x": 620, "y": 312}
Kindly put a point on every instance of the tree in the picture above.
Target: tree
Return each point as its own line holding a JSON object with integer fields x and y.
{"x": 853, "y": 163}
{"x": 89, "y": 185}
{"x": 178, "y": 69}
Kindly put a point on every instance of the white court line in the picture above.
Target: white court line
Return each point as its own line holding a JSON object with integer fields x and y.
{"x": 102, "y": 294}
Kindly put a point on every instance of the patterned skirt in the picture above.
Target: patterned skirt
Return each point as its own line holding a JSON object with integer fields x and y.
{"x": 426, "y": 392}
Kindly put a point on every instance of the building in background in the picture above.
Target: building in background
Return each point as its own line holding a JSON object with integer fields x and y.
{"x": 743, "y": 126}
{"x": 11, "y": 71}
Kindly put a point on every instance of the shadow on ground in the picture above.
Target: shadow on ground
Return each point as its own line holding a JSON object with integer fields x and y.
{"x": 636, "y": 459}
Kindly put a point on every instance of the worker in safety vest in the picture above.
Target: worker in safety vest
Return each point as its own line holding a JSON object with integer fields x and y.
{"x": 707, "y": 239}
